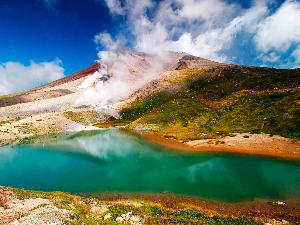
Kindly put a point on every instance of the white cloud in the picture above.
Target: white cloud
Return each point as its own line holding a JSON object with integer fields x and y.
{"x": 208, "y": 28}
{"x": 18, "y": 77}
{"x": 135, "y": 7}
{"x": 296, "y": 55}
{"x": 115, "y": 7}
{"x": 204, "y": 9}
{"x": 281, "y": 29}
{"x": 105, "y": 39}
{"x": 199, "y": 27}
{"x": 294, "y": 60}
{"x": 185, "y": 26}
{"x": 272, "y": 57}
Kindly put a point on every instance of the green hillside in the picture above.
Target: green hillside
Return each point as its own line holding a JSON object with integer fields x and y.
{"x": 220, "y": 101}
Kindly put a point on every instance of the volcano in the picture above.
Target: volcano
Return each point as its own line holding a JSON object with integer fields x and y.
{"x": 175, "y": 95}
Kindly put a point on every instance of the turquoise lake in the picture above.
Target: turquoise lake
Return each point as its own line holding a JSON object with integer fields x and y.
{"x": 118, "y": 161}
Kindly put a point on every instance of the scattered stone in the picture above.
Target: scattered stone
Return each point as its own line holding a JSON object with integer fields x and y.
{"x": 135, "y": 220}
{"x": 32, "y": 211}
{"x": 27, "y": 204}
{"x": 71, "y": 206}
{"x": 98, "y": 210}
{"x": 129, "y": 218}
{"x": 131, "y": 203}
{"x": 279, "y": 203}
{"x": 47, "y": 215}
{"x": 107, "y": 216}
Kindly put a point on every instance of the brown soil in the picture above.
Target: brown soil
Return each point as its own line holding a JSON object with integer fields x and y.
{"x": 250, "y": 144}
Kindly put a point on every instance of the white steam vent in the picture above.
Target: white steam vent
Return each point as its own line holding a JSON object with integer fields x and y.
{"x": 120, "y": 75}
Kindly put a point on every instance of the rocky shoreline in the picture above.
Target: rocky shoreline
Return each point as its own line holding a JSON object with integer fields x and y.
{"x": 19, "y": 206}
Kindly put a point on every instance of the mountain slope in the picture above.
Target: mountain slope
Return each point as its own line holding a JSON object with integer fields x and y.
{"x": 52, "y": 108}
{"x": 189, "y": 99}
{"x": 205, "y": 103}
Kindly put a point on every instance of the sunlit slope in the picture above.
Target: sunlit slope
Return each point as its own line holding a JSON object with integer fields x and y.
{"x": 206, "y": 103}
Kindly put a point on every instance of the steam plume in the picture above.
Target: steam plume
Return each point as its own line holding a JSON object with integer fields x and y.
{"x": 119, "y": 76}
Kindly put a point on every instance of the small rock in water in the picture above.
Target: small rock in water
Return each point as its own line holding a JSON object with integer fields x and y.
{"x": 280, "y": 203}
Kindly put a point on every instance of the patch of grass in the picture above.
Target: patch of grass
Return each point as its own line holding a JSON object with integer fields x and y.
{"x": 29, "y": 129}
{"x": 4, "y": 122}
{"x": 194, "y": 216}
{"x": 141, "y": 107}
{"x": 230, "y": 221}
{"x": 47, "y": 138}
{"x": 188, "y": 118}
{"x": 9, "y": 121}
{"x": 276, "y": 113}
{"x": 26, "y": 194}
{"x": 119, "y": 209}
{"x": 3, "y": 97}
{"x": 190, "y": 215}
{"x": 39, "y": 206}
{"x": 217, "y": 84}
{"x": 155, "y": 210}
{"x": 86, "y": 117}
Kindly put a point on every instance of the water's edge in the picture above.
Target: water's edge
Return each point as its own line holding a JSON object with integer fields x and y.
{"x": 107, "y": 161}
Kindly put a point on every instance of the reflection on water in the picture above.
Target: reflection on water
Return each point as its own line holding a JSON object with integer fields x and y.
{"x": 116, "y": 161}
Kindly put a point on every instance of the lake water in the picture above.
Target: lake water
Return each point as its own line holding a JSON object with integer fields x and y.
{"x": 117, "y": 161}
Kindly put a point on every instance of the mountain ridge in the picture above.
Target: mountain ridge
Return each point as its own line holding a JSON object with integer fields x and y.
{"x": 195, "y": 101}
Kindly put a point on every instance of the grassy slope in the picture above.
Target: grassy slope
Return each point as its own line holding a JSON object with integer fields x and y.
{"x": 222, "y": 101}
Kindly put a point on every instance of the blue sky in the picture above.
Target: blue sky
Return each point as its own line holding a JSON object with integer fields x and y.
{"x": 42, "y": 40}
{"x": 34, "y": 30}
